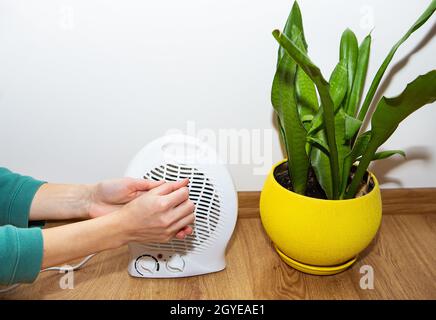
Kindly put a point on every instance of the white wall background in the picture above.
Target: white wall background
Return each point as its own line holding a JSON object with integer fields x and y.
{"x": 84, "y": 84}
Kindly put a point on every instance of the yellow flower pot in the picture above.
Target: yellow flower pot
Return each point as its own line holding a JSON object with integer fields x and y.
{"x": 318, "y": 236}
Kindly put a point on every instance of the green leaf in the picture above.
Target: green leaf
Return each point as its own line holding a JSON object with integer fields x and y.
{"x": 284, "y": 102}
{"x": 357, "y": 151}
{"x": 359, "y": 79}
{"x": 349, "y": 52}
{"x": 307, "y": 99}
{"x": 342, "y": 145}
{"x": 321, "y": 165}
{"x": 338, "y": 83}
{"x": 316, "y": 123}
{"x": 345, "y": 126}
{"x": 319, "y": 143}
{"x": 323, "y": 89}
{"x": 293, "y": 28}
{"x": 320, "y": 162}
{"x": 391, "y": 111}
{"x": 282, "y": 133}
{"x": 379, "y": 75}
{"x": 389, "y": 114}
{"x": 352, "y": 126}
{"x": 360, "y": 146}
{"x": 388, "y": 153}
{"x": 306, "y": 93}
{"x": 338, "y": 89}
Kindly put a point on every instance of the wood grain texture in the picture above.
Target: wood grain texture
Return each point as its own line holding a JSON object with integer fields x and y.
{"x": 403, "y": 257}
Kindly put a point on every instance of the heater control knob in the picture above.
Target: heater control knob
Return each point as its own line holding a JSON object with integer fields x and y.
{"x": 176, "y": 263}
{"x": 147, "y": 263}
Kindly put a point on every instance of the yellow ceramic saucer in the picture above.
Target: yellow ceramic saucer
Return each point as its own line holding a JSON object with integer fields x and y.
{"x": 321, "y": 271}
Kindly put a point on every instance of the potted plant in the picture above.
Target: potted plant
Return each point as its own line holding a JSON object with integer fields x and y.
{"x": 321, "y": 206}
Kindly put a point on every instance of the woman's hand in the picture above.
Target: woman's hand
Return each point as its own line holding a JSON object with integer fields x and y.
{"x": 108, "y": 196}
{"x": 159, "y": 215}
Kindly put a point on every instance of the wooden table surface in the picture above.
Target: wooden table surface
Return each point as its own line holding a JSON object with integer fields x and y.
{"x": 403, "y": 257}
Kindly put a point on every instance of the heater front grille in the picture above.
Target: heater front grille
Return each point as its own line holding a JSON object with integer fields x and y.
{"x": 203, "y": 192}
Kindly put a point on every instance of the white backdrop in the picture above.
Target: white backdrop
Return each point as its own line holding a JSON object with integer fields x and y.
{"x": 84, "y": 84}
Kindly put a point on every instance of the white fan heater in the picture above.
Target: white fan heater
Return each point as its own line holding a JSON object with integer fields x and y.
{"x": 175, "y": 157}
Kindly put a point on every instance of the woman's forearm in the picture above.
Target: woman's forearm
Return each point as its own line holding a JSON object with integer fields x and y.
{"x": 72, "y": 241}
{"x": 61, "y": 202}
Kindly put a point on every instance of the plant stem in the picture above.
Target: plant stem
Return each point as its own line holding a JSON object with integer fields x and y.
{"x": 361, "y": 170}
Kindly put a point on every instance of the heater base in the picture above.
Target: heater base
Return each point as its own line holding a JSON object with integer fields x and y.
{"x": 315, "y": 270}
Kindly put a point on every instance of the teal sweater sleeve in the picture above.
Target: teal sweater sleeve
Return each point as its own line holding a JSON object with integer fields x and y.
{"x": 21, "y": 247}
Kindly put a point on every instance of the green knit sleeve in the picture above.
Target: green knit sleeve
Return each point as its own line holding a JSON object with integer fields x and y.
{"x": 21, "y": 252}
{"x": 21, "y": 247}
{"x": 16, "y": 195}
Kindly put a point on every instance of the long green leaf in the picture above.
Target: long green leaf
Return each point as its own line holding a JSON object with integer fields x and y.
{"x": 320, "y": 157}
{"x": 284, "y": 102}
{"x": 338, "y": 89}
{"x": 349, "y": 52}
{"x": 293, "y": 28}
{"x": 389, "y": 114}
{"x": 321, "y": 165}
{"x": 338, "y": 83}
{"x": 307, "y": 99}
{"x": 306, "y": 96}
{"x": 323, "y": 89}
{"x": 359, "y": 79}
{"x": 342, "y": 145}
{"x": 357, "y": 151}
{"x": 379, "y": 75}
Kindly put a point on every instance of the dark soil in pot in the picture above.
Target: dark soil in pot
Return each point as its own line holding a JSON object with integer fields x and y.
{"x": 313, "y": 188}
